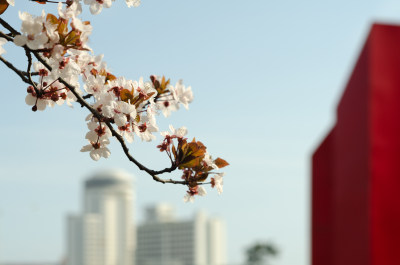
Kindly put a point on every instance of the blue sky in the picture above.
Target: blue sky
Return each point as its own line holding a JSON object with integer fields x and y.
{"x": 266, "y": 77}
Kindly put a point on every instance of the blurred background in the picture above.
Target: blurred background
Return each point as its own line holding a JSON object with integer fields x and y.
{"x": 266, "y": 76}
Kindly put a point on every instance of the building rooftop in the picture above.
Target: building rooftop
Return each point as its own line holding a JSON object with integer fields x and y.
{"x": 107, "y": 178}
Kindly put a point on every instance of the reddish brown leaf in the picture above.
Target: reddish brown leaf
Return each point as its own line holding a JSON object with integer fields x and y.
{"x": 94, "y": 72}
{"x": 110, "y": 77}
{"x": 3, "y": 6}
{"x": 52, "y": 19}
{"x": 137, "y": 119}
{"x": 62, "y": 29}
{"x": 149, "y": 95}
{"x": 201, "y": 176}
{"x": 220, "y": 162}
{"x": 71, "y": 38}
{"x": 190, "y": 163}
{"x": 174, "y": 151}
{"x": 163, "y": 86}
{"x": 126, "y": 95}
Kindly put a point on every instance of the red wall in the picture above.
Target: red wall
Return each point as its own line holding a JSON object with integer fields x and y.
{"x": 356, "y": 170}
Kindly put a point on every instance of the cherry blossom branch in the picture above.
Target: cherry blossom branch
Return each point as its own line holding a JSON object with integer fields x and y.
{"x": 100, "y": 117}
{"x": 85, "y": 104}
{"x": 124, "y": 106}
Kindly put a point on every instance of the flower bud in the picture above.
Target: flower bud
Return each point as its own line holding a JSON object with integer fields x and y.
{"x": 55, "y": 97}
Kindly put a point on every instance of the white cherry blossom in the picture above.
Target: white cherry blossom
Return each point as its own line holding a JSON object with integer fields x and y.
{"x": 65, "y": 68}
{"x": 218, "y": 182}
{"x": 84, "y": 29}
{"x": 120, "y": 111}
{"x": 167, "y": 105}
{"x": 145, "y": 89}
{"x": 97, "y": 149}
{"x": 188, "y": 198}
{"x": 52, "y": 33}
{"x": 34, "y": 35}
{"x": 145, "y": 130}
{"x": 182, "y": 94}
{"x": 95, "y": 85}
{"x": 207, "y": 159}
{"x": 126, "y": 132}
{"x": 96, "y": 6}
{"x": 97, "y": 132}
{"x": 200, "y": 190}
{"x": 2, "y": 42}
{"x": 71, "y": 11}
{"x": 178, "y": 133}
{"x": 134, "y": 3}
{"x": 38, "y": 102}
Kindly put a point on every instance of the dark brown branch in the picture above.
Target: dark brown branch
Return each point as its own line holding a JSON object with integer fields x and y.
{"x": 7, "y": 26}
{"x": 20, "y": 73}
{"x": 6, "y": 36}
{"x": 87, "y": 96}
{"x": 28, "y": 71}
{"x": 46, "y": 1}
{"x": 32, "y": 73}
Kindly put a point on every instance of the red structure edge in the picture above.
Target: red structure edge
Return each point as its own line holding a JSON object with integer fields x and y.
{"x": 356, "y": 169}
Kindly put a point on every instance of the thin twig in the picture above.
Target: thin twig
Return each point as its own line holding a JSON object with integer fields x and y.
{"x": 32, "y": 73}
{"x": 20, "y": 73}
{"x": 87, "y": 96}
{"x": 6, "y": 36}
{"x": 28, "y": 54}
{"x": 7, "y": 26}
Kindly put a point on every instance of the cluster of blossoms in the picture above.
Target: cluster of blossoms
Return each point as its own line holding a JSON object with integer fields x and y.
{"x": 97, "y": 5}
{"x": 68, "y": 71}
{"x": 194, "y": 160}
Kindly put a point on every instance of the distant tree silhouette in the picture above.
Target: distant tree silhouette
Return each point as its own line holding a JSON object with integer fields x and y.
{"x": 260, "y": 253}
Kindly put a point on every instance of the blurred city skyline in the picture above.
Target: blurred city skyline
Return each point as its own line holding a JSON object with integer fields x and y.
{"x": 266, "y": 77}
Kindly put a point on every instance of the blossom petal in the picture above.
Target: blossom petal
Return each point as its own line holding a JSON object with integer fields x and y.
{"x": 94, "y": 154}
{"x": 87, "y": 148}
{"x": 20, "y": 40}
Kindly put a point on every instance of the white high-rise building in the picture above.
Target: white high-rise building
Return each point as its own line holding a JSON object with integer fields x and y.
{"x": 104, "y": 233}
{"x": 163, "y": 240}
